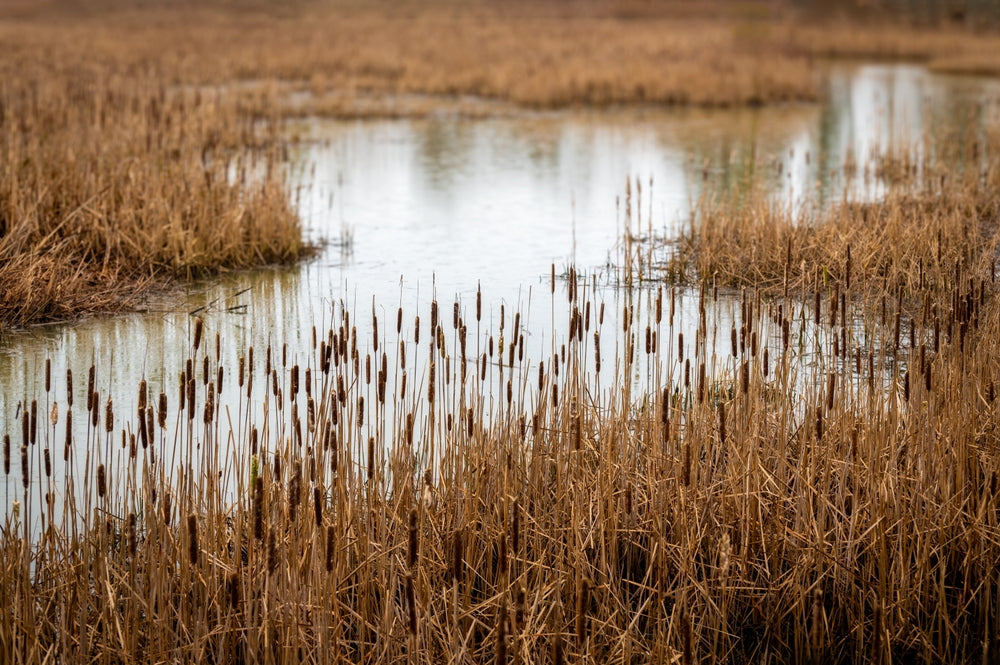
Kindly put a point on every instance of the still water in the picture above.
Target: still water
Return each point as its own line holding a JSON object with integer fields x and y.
{"x": 414, "y": 210}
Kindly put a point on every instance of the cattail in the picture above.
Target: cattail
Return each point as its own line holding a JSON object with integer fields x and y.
{"x": 218, "y": 379}
{"x": 411, "y": 605}
{"x": 294, "y": 491}
{"x": 149, "y": 424}
{"x": 162, "y": 411}
{"x": 295, "y": 381}
{"x": 167, "y": 499}
{"x": 258, "y": 508}
{"x": 831, "y": 386}
{"x": 198, "y": 325}
{"x": 102, "y": 481}
{"x": 143, "y": 431}
{"x": 48, "y": 374}
{"x": 190, "y": 399}
{"x": 25, "y": 428}
{"x": 209, "y": 404}
{"x": 233, "y": 586}
{"x": 331, "y": 537}
{"x": 458, "y": 557}
{"x": 819, "y": 423}
{"x": 193, "y": 539}
{"x": 272, "y": 552}
{"x": 6, "y": 454}
{"x": 69, "y": 388}
{"x": 431, "y": 383}
{"x": 132, "y": 544}
{"x": 90, "y": 388}
{"x": 33, "y": 430}
{"x": 318, "y": 506}
{"x": 371, "y": 457}
{"x": 25, "y": 473}
{"x": 48, "y": 463}
{"x": 817, "y": 620}
{"x": 204, "y": 371}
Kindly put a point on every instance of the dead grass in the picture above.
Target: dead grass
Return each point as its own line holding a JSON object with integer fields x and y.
{"x": 820, "y": 492}
{"x": 933, "y": 224}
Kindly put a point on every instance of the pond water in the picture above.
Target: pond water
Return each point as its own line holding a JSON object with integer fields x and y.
{"x": 412, "y": 210}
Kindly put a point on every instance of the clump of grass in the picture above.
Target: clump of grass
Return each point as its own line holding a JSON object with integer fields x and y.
{"x": 930, "y": 228}
{"x": 113, "y": 185}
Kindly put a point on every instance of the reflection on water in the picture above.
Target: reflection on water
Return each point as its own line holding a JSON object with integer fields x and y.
{"x": 422, "y": 209}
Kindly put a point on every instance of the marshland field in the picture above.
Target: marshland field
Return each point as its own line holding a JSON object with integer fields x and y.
{"x": 611, "y": 331}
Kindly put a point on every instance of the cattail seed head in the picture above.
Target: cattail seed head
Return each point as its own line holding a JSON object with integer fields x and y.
{"x": 69, "y": 388}
{"x": 6, "y": 454}
{"x": 371, "y": 457}
{"x": 90, "y": 387}
{"x": 25, "y": 472}
{"x": 258, "y": 508}
{"x": 48, "y": 374}
{"x": 318, "y": 506}
{"x": 233, "y": 586}
{"x": 193, "y": 548}
{"x": 162, "y": 411}
{"x": 331, "y": 538}
{"x": 167, "y": 500}
{"x": 102, "y": 481}
{"x": 209, "y": 404}
{"x": 190, "y": 399}
{"x": 411, "y": 605}
{"x": 294, "y": 491}
{"x": 272, "y": 552}
{"x": 198, "y": 325}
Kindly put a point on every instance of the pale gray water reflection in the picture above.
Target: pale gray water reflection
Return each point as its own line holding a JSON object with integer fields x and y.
{"x": 418, "y": 209}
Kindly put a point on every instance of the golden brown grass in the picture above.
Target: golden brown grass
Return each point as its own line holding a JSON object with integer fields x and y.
{"x": 119, "y": 122}
{"x": 932, "y": 224}
{"x": 821, "y": 491}
{"x": 113, "y": 183}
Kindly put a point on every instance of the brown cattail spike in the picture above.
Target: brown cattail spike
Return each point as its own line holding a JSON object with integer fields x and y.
{"x": 193, "y": 548}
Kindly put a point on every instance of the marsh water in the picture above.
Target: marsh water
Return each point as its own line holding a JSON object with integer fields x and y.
{"x": 408, "y": 211}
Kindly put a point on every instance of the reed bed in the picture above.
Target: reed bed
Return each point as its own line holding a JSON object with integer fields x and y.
{"x": 799, "y": 485}
{"x": 926, "y": 221}
{"x": 114, "y": 183}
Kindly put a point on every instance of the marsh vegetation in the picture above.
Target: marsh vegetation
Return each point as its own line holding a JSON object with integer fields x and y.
{"x": 767, "y": 431}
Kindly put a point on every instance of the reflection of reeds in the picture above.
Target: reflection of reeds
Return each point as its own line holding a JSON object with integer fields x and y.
{"x": 818, "y": 488}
